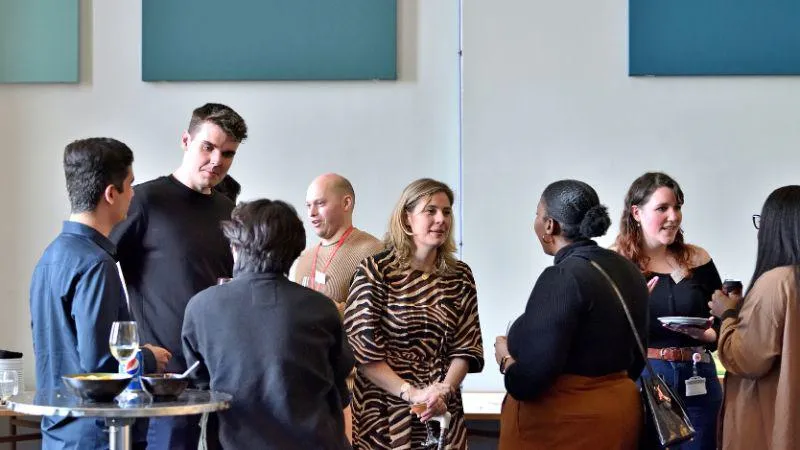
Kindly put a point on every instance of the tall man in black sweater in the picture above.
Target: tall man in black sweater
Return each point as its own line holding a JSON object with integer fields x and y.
{"x": 171, "y": 246}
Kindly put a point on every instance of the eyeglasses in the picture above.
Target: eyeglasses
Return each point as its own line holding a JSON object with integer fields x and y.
{"x": 757, "y": 220}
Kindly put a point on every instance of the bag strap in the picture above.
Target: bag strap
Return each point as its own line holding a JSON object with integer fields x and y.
{"x": 639, "y": 343}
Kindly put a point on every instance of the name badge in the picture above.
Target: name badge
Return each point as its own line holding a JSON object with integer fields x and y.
{"x": 320, "y": 278}
{"x": 695, "y": 386}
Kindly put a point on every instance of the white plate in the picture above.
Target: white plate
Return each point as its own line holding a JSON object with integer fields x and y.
{"x": 681, "y": 320}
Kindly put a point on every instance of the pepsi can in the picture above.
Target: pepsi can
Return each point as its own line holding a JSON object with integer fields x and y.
{"x": 134, "y": 368}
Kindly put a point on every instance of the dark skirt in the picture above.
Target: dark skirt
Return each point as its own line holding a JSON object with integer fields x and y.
{"x": 576, "y": 413}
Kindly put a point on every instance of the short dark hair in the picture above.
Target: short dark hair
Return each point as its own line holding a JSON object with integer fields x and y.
{"x": 229, "y": 187}
{"x": 222, "y": 116}
{"x": 90, "y": 165}
{"x": 267, "y": 235}
{"x": 779, "y": 233}
{"x": 577, "y": 209}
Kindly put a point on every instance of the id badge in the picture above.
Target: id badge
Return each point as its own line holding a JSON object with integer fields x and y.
{"x": 695, "y": 386}
{"x": 320, "y": 277}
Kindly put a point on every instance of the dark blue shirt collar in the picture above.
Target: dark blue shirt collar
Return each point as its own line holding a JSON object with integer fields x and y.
{"x": 91, "y": 234}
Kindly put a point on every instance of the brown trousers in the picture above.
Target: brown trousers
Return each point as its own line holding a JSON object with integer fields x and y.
{"x": 580, "y": 413}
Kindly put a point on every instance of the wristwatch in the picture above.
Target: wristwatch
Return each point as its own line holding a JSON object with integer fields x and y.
{"x": 404, "y": 390}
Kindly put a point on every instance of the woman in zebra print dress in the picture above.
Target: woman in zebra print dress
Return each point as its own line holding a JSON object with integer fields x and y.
{"x": 412, "y": 320}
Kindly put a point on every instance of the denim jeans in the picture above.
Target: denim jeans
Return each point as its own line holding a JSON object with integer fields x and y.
{"x": 701, "y": 409}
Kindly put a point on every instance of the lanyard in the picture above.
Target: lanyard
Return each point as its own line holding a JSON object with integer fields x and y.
{"x": 313, "y": 277}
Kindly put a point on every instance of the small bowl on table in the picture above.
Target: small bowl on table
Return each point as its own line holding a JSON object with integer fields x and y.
{"x": 164, "y": 386}
{"x": 96, "y": 387}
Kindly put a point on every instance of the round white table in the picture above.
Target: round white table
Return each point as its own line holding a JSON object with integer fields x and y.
{"x": 119, "y": 416}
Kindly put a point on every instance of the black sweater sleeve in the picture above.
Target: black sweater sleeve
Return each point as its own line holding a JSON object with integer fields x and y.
{"x": 539, "y": 341}
{"x": 342, "y": 361}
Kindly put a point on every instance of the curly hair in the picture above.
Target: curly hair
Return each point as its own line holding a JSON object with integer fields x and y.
{"x": 267, "y": 234}
{"x": 630, "y": 240}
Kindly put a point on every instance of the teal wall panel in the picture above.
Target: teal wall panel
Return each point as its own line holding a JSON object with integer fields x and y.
{"x": 39, "y": 41}
{"x": 714, "y": 37}
{"x": 184, "y": 40}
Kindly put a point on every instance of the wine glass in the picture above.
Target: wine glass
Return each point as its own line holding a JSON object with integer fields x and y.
{"x": 124, "y": 341}
{"x": 9, "y": 384}
{"x": 432, "y": 440}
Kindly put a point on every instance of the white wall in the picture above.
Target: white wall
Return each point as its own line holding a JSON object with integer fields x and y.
{"x": 381, "y": 135}
{"x": 547, "y": 97}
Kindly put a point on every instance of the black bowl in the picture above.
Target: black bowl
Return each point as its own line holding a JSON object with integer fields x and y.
{"x": 164, "y": 386}
{"x": 97, "y": 387}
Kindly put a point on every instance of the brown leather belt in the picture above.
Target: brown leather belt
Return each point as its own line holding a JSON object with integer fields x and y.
{"x": 678, "y": 354}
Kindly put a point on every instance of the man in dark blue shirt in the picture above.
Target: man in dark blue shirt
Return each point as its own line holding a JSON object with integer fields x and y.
{"x": 76, "y": 292}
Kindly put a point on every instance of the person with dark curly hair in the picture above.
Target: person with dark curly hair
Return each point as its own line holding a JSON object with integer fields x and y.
{"x": 682, "y": 278}
{"x": 570, "y": 360}
{"x": 279, "y": 348}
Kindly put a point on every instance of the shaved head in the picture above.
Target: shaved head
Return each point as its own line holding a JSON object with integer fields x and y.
{"x": 329, "y": 202}
{"x": 336, "y": 183}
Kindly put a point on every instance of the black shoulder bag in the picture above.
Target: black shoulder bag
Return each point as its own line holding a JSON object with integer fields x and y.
{"x": 665, "y": 419}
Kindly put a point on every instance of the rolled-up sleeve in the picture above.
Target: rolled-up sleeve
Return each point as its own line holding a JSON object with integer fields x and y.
{"x": 468, "y": 343}
{"x": 362, "y": 317}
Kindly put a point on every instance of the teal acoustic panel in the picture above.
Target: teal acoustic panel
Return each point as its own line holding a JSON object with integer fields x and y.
{"x": 198, "y": 40}
{"x": 39, "y": 41}
{"x": 714, "y": 37}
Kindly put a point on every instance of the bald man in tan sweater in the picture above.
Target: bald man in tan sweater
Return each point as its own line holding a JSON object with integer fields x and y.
{"x": 329, "y": 266}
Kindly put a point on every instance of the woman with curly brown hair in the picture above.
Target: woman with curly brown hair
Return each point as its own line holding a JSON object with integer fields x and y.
{"x": 682, "y": 277}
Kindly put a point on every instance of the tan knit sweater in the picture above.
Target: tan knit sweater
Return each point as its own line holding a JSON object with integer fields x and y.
{"x": 355, "y": 248}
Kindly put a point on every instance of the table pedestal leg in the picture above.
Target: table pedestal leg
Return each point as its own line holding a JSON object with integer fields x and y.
{"x": 119, "y": 434}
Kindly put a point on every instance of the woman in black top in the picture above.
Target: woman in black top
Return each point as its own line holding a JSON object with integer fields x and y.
{"x": 570, "y": 359}
{"x": 682, "y": 278}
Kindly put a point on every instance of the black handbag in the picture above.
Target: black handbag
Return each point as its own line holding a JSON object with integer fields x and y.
{"x": 665, "y": 419}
